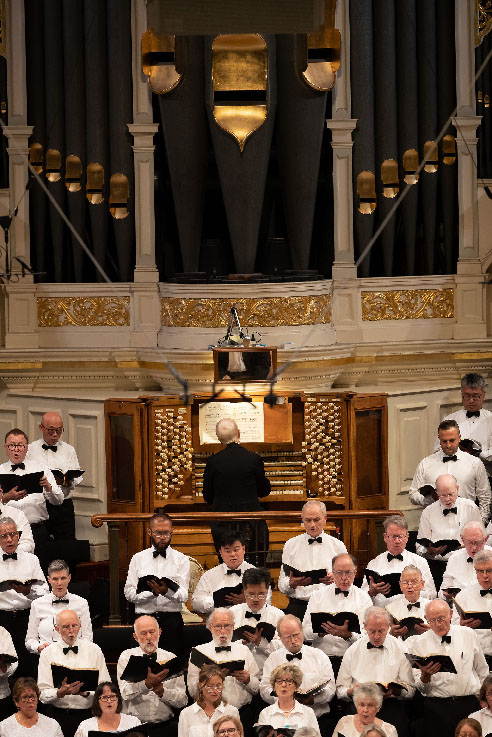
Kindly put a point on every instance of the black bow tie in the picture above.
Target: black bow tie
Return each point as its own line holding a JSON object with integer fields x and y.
{"x": 60, "y": 601}
{"x": 291, "y": 656}
{"x": 485, "y": 592}
{"x": 469, "y": 413}
{"x": 223, "y": 648}
{"x": 453, "y": 510}
{"x": 449, "y": 458}
{"x": 339, "y": 591}
{"x": 256, "y": 616}
{"x": 236, "y": 571}
{"x": 312, "y": 540}
{"x": 54, "y": 448}
{"x": 446, "y": 638}
{"x": 73, "y": 648}
{"x": 469, "y": 560}
{"x": 370, "y": 646}
{"x": 392, "y": 557}
{"x": 416, "y": 605}
{"x": 6, "y": 556}
{"x": 151, "y": 656}
{"x": 159, "y": 552}
{"x": 18, "y": 465}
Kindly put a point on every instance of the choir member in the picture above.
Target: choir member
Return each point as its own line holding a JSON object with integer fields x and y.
{"x": 27, "y": 722}
{"x": 484, "y": 716}
{"x": 106, "y": 713}
{"x": 460, "y": 572}
{"x": 478, "y": 598}
{"x": 198, "y": 719}
{"x": 409, "y": 604}
{"x": 368, "y": 700}
{"x": 286, "y": 710}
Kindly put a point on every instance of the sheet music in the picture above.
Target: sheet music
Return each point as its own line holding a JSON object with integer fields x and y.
{"x": 247, "y": 415}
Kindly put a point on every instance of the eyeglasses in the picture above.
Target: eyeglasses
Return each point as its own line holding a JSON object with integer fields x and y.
{"x": 26, "y": 699}
{"x": 6, "y": 535}
{"x": 410, "y": 583}
{"x": 224, "y": 732}
{"x": 284, "y": 681}
{"x": 161, "y": 534}
{"x": 222, "y": 626}
{"x": 213, "y": 688}
{"x": 437, "y": 620}
{"x": 480, "y": 571}
{"x": 110, "y": 697}
{"x": 397, "y": 537}
{"x": 16, "y": 446}
{"x": 289, "y": 638}
{"x": 53, "y": 430}
{"x": 344, "y": 573}
{"x": 261, "y": 597}
{"x": 470, "y": 395}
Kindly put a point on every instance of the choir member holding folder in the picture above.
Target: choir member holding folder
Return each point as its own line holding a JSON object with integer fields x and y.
{"x": 198, "y": 719}
{"x": 368, "y": 700}
{"x": 107, "y": 716}
{"x": 460, "y": 573}
{"x": 255, "y": 622}
{"x": 473, "y": 605}
{"x": 389, "y": 565}
{"x": 335, "y": 614}
{"x": 69, "y": 672}
{"x": 158, "y": 580}
{"x": 8, "y": 666}
{"x": 241, "y": 682}
{"x": 484, "y": 716}
{"x": 31, "y": 493}
{"x": 318, "y": 684}
{"x": 451, "y": 667}
{"x": 286, "y": 711}
{"x": 223, "y": 585}
{"x": 151, "y": 679}
{"x": 408, "y": 610}
{"x": 306, "y": 559}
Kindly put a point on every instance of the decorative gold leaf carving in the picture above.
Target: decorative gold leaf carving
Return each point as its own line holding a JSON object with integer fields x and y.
{"x": 57, "y": 312}
{"x": 483, "y": 19}
{"x": 267, "y": 312}
{"x": 408, "y": 304}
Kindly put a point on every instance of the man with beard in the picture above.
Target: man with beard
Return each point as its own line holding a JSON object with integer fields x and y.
{"x": 152, "y": 699}
{"x": 158, "y": 580}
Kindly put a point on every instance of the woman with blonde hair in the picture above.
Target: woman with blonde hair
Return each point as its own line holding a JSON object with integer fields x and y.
{"x": 228, "y": 726}
{"x": 286, "y": 711}
{"x": 198, "y": 719}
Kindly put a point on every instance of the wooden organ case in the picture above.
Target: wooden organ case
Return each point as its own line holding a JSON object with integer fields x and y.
{"x": 331, "y": 447}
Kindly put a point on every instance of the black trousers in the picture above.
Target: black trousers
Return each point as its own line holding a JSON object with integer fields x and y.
{"x": 158, "y": 729}
{"x": 41, "y": 535}
{"x": 249, "y": 714}
{"x": 441, "y": 715}
{"x": 172, "y": 635}
{"x": 16, "y": 624}
{"x": 68, "y": 719}
{"x": 61, "y": 520}
{"x": 297, "y": 607}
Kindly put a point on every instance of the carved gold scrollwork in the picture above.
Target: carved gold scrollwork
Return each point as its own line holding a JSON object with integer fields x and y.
{"x": 483, "y": 19}
{"x": 57, "y": 312}
{"x": 408, "y": 304}
{"x": 270, "y": 312}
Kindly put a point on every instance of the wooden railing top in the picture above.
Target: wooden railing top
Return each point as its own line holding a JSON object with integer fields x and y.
{"x": 97, "y": 520}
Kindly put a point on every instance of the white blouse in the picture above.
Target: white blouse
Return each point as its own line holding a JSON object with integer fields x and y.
{"x": 346, "y": 726}
{"x": 10, "y": 727}
{"x": 127, "y": 721}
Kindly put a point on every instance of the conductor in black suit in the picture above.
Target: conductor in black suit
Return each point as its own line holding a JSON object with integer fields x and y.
{"x": 233, "y": 481}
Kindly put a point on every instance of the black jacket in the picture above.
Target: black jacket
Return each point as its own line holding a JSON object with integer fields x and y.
{"x": 233, "y": 480}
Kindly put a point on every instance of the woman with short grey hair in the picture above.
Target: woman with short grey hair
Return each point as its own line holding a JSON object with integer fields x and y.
{"x": 368, "y": 699}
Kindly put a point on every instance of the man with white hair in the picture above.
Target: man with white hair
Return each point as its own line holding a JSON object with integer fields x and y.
{"x": 70, "y": 701}
{"x": 448, "y": 697}
{"x": 477, "y": 598}
{"x": 303, "y": 554}
{"x": 239, "y": 686}
{"x": 233, "y": 481}
{"x": 460, "y": 573}
{"x": 379, "y": 657}
{"x": 153, "y": 698}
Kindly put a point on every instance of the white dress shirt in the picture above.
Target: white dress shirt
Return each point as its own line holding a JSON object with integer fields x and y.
{"x": 460, "y": 572}
{"x": 471, "y": 601}
{"x": 34, "y": 505}
{"x": 144, "y": 703}
{"x": 26, "y": 540}
{"x": 10, "y": 727}
{"x": 193, "y": 721}
{"x": 300, "y": 716}
{"x": 25, "y": 568}
{"x": 469, "y": 472}
{"x": 484, "y": 716}
{"x": 316, "y": 669}
{"x": 92, "y": 725}
{"x": 6, "y": 648}
{"x": 436, "y": 525}
{"x": 464, "y": 650}
{"x": 42, "y": 619}
{"x": 88, "y": 657}
{"x": 175, "y": 566}
{"x": 235, "y": 693}
{"x": 64, "y": 458}
{"x": 382, "y": 565}
{"x": 388, "y": 663}
{"x": 268, "y": 614}
{"x": 303, "y": 556}
{"x": 346, "y": 727}
{"x": 398, "y": 608}
{"x": 325, "y": 600}
{"x": 475, "y": 428}
{"x": 216, "y": 578}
